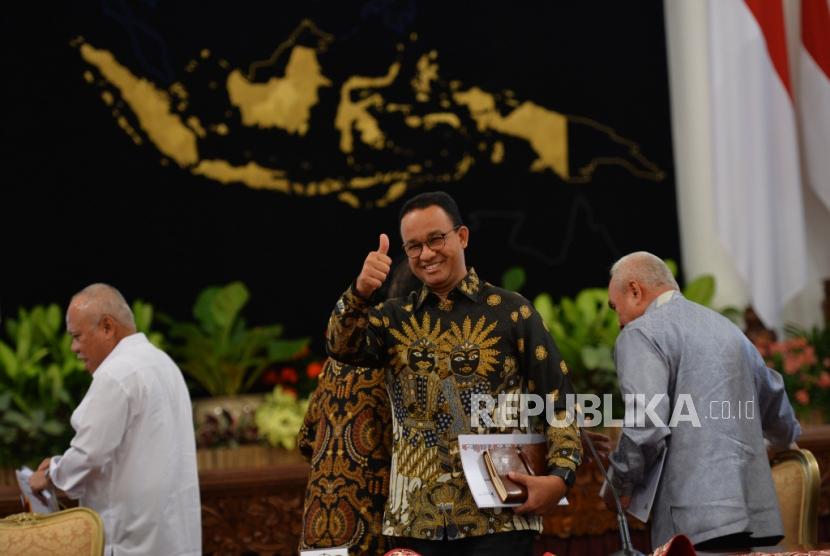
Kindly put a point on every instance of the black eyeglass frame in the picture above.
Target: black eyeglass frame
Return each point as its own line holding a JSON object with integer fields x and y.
{"x": 439, "y": 241}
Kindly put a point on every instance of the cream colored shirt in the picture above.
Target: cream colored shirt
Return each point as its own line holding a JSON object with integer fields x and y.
{"x": 133, "y": 457}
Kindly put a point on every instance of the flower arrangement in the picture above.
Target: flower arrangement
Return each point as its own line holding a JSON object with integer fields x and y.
{"x": 280, "y": 416}
{"x": 298, "y": 383}
{"x": 275, "y": 420}
{"x": 804, "y": 361}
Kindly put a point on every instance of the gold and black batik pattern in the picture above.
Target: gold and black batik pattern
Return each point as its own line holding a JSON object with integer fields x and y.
{"x": 346, "y": 437}
{"x": 438, "y": 354}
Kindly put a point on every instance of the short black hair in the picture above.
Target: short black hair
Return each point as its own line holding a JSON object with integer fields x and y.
{"x": 433, "y": 199}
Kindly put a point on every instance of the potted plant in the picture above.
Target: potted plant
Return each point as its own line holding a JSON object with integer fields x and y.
{"x": 226, "y": 358}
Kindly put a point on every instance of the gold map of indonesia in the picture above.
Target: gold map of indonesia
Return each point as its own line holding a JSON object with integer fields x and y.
{"x": 285, "y": 103}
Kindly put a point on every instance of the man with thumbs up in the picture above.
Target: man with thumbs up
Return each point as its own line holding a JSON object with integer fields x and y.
{"x": 454, "y": 338}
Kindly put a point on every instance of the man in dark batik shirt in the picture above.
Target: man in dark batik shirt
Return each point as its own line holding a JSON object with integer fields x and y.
{"x": 456, "y": 337}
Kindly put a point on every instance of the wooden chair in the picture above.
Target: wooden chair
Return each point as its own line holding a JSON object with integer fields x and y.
{"x": 72, "y": 532}
{"x": 797, "y": 483}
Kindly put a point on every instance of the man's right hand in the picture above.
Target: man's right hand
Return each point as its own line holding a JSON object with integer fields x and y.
{"x": 39, "y": 481}
{"x": 772, "y": 452}
{"x": 375, "y": 269}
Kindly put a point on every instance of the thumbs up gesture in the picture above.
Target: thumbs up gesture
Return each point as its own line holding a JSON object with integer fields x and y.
{"x": 375, "y": 269}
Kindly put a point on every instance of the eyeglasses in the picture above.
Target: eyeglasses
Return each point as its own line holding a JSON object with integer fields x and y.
{"x": 435, "y": 243}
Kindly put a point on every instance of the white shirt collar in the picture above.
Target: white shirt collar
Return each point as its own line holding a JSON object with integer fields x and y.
{"x": 665, "y": 297}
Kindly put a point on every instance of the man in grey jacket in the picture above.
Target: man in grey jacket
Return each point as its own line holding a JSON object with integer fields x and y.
{"x": 713, "y": 403}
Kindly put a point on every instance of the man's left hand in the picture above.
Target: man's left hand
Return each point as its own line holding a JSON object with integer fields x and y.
{"x": 543, "y": 493}
{"x": 608, "y": 498}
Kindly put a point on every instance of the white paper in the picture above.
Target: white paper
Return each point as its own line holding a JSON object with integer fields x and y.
{"x": 642, "y": 497}
{"x": 471, "y": 447}
{"x": 35, "y": 502}
{"x": 339, "y": 551}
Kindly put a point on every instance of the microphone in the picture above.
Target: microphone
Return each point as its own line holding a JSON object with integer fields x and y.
{"x": 627, "y": 548}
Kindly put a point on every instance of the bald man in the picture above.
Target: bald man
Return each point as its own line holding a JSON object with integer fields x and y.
{"x": 133, "y": 457}
{"x": 686, "y": 359}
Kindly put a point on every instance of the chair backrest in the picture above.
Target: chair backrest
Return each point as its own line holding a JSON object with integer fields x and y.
{"x": 72, "y": 532}
{"x": 797, "y": 483}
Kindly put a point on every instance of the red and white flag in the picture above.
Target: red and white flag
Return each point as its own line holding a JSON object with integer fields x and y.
{"x": 814, "y": 95}
{"x": 755, "y": 158}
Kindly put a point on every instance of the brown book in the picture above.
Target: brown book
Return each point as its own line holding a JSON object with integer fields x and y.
{"x": 530, "y": 459}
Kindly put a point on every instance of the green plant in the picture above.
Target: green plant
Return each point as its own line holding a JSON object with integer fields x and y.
{"x": 280, "y": 417}
{"x": 514, "y": 278}
{"x": 42, "y": 382}
{"x": 585, "y": 329}
{"x": 143, "y": 313}
{"x": 219, "y": 350}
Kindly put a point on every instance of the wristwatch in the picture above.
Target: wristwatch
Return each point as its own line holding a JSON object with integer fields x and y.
{"x": 565, "y": 474}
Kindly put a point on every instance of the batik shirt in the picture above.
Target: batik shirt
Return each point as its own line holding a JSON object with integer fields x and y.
{"x": 346, "y": 437}
{"x": 440, "y": 353}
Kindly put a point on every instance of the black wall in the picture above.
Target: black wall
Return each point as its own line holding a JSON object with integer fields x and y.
{"x": 82, "y": 203}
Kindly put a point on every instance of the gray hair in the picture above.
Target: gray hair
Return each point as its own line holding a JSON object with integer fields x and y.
{"x": 103, "y": 299}
{"x": 645, "y": 268}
